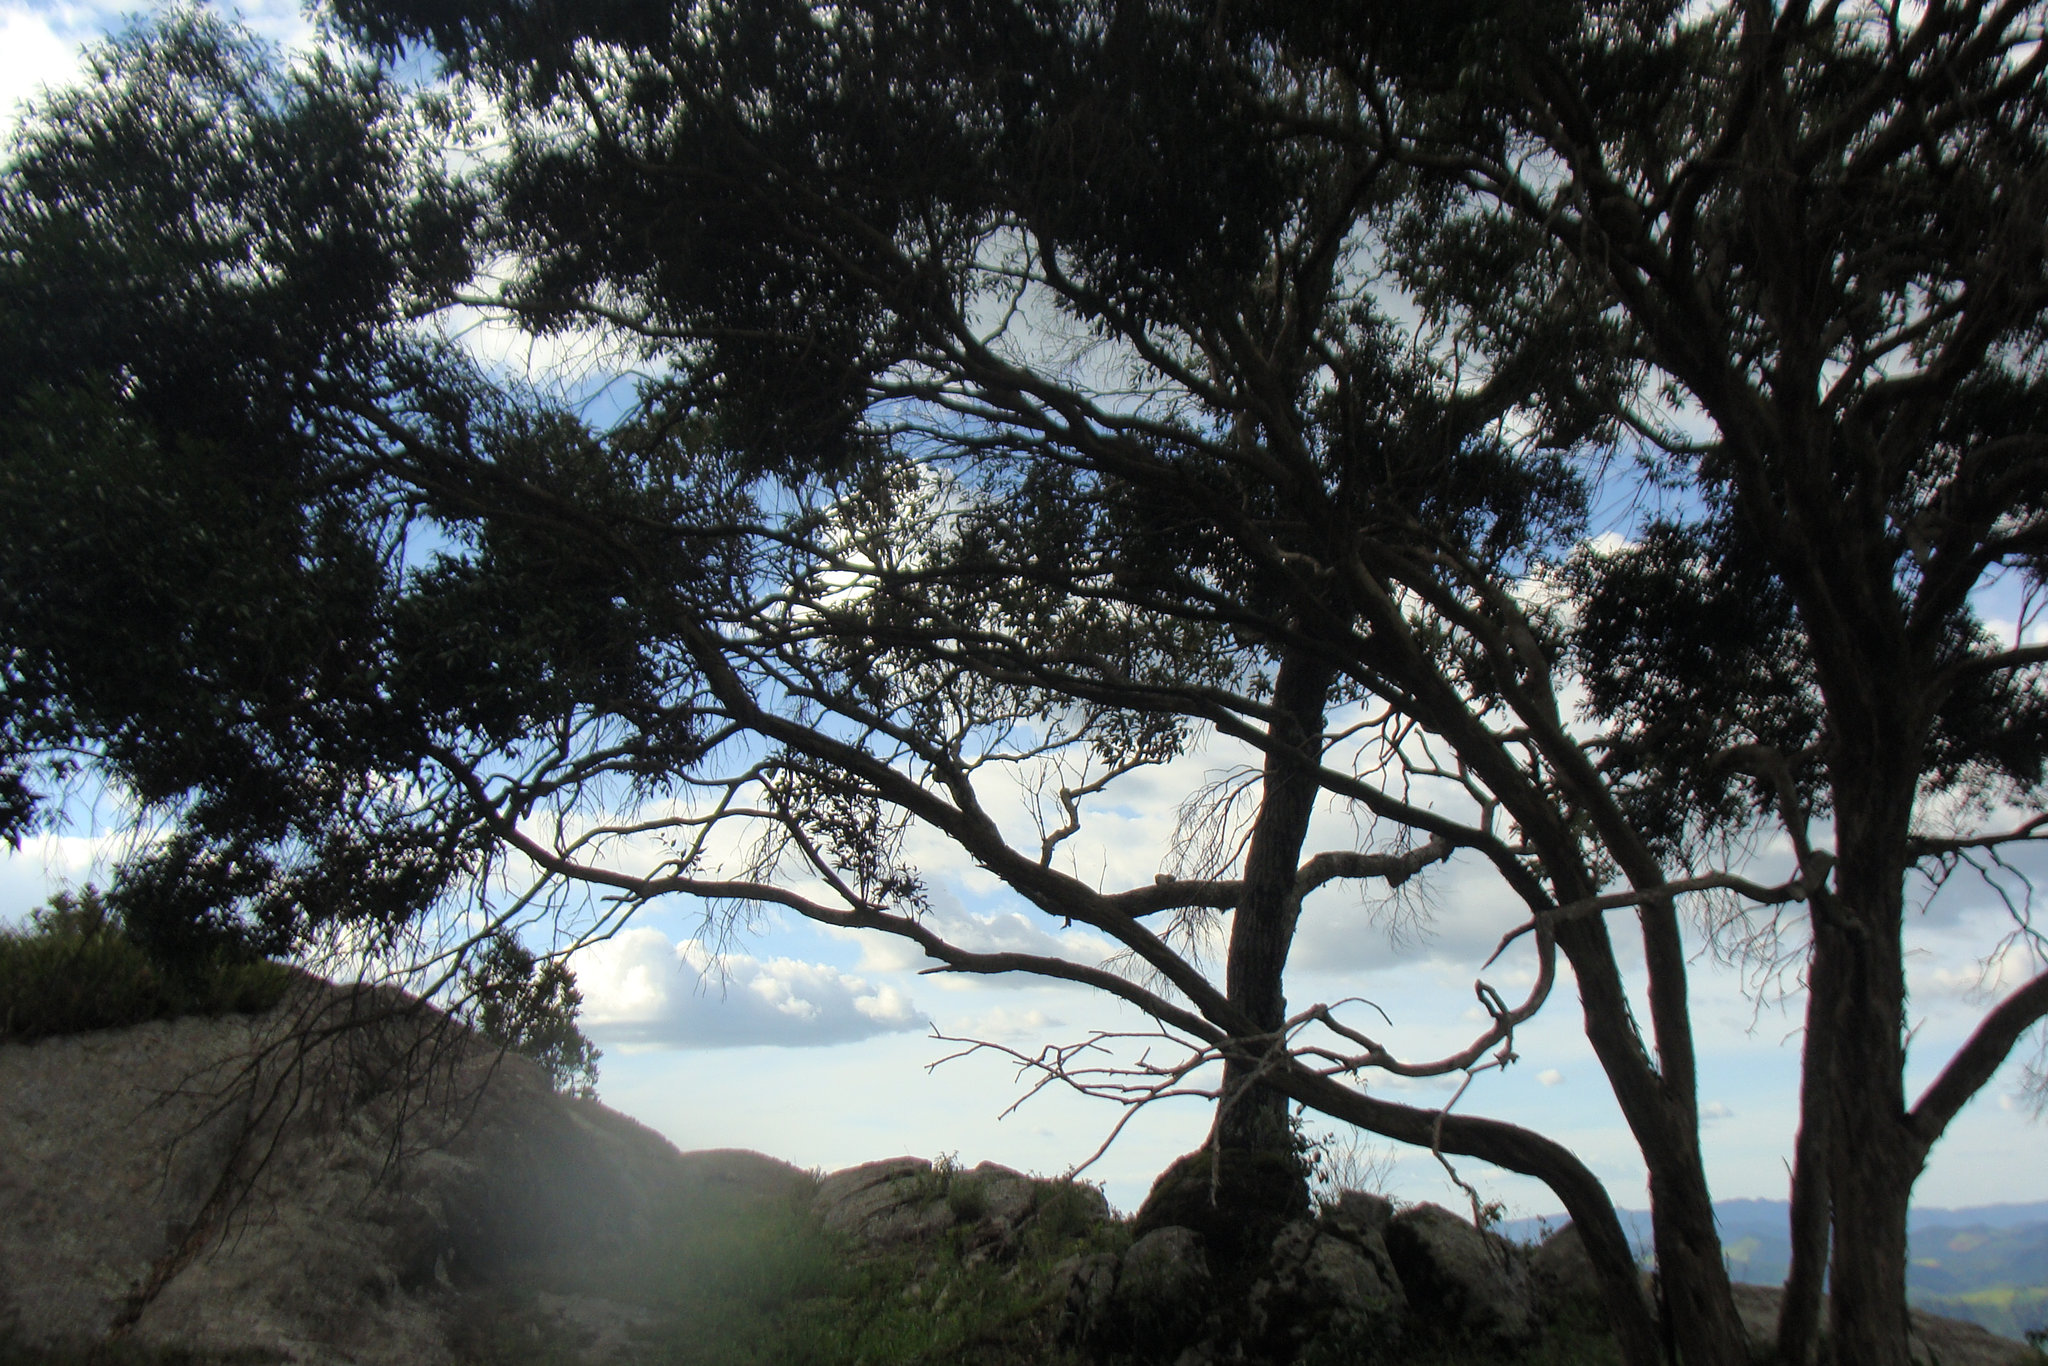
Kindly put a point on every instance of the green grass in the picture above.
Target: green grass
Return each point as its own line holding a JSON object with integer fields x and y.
{"x": 2007, "y": 1309}
{"x": 753, "y": 1281}
{"x": 74, "y": 969}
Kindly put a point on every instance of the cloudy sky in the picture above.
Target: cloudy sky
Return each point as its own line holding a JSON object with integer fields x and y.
{"x": 824, "y": 1048}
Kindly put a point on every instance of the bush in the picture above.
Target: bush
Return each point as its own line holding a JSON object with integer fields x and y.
{"x": 529, "y": 1005}
{"x": 76, "y": 968}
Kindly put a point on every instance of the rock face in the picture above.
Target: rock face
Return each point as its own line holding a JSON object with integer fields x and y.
{"x": 908, "y": 1199}
{"x": 1454, "y": 1272}
{"x": 1330, "y": 1280}
{"x": 289, "y": 1187}
{"x": 1359, "y": 1275}
{"x": 1563, "y": 1271}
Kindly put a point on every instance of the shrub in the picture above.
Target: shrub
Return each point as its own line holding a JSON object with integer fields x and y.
{"x": 529, "y": 1005}
{"x": 76, "y": 968}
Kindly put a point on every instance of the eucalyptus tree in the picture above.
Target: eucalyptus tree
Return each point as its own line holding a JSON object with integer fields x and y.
{"x": 1036, "y": 390}
{"x": 1822, "y": 227}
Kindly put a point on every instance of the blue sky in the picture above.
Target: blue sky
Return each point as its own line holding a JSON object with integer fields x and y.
{"x": 818, "y": 1046}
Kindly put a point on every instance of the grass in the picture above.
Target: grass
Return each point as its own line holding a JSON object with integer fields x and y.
{"x": 754, "y": 1281}
{"x": 2012, "y": 1310}
{"x": 75, "y": 969}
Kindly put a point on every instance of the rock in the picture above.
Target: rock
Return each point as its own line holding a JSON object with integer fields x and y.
{"x": 984, "y": 1210}
{"x": 1236, "y": 1200}
{"x": 1085, "y": 1286}
{"x": 1474, "y": 1281}
{"x": 1325, "y": 1286}
{"x": 1357, "y": 1215}
{"x": 1164, "y": 1293}
{"x": 1562, "y": 1271}
{"x": 339, "y": 1180}
{"x": 894, "y": 1200}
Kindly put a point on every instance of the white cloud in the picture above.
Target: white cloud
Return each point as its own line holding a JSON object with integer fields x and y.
{"x": 1714, "y": 1110}
{"x": 34, "y": 54}
{"x": 40, "y": 42}
{"x": 639, "y": 987}
{"x": 1550, "y": 1076}
{"x": 994, "y": 931}
{"x": 1003, "y": 1025}
{"x": 1452, "y": 913}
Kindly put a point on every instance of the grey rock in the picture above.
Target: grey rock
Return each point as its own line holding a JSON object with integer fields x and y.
{"x": 1006, "y": 1195}
{"x": 1477, "y": 1281}
{"x": 1321, "y": 1285}
{"x": 894, "y": 1200}
{"x": 1085, "y": 1286}
{"x": 275, "y": 1187}
{"x": 1562, "y": 1271}
{"x": 1164, "y": 1291}
{"x": 1357, "y": 1215}
{"x": 907, "y": 1199}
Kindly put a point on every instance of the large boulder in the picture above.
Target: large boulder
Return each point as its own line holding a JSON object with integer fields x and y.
{"x": 1164, "y": 1293}
{"x": 1563, "y": 1274}
{"x": 908, "y": 1199}
{"x": 1472, "y": 1282}
{"x": 890, "y": 1201}
{"x": 1237, "y": 1200}
{"x": 335, "y": 1181}
{"x": 1330, "y": 1282}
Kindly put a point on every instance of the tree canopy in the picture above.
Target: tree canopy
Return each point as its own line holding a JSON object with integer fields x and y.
{"x": 1033, "y": 391}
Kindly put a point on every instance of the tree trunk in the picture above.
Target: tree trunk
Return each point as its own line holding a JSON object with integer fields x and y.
{"x": 1698, "y": 1300}
{"x": 1875, "y": 1157}
{"x": 1809, "y": 1217}
{"x": 1253, "y": 1116}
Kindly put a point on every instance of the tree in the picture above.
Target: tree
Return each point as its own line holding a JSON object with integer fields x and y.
{"x": 1037, "y": 388}
{"x": 528, "y": 1005}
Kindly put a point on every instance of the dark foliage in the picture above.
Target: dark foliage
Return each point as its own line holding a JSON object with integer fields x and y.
{"x": 78, "y": 968}
{"x": 530, "y": 1006}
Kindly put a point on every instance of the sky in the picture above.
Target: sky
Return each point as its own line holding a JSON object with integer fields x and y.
{"x": 825, "y": 1049}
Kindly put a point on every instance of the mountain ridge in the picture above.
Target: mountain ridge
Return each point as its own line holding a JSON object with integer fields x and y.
{"x": 1987, "y": 1264}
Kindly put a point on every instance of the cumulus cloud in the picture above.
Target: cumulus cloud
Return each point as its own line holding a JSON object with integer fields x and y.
{"x": 641, "y": 988}
{"x": 1550, "y": 1076}
{"x": 1714, "y": 1110}
{"x": 994, "y": 931}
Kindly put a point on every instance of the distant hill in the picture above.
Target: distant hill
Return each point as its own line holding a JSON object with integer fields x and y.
{"x": 1987, "y": 1264}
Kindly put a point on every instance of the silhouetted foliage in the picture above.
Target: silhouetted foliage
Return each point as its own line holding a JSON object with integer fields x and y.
{"x": 530, "y": 1006}
{"x": 1032, "y": 392}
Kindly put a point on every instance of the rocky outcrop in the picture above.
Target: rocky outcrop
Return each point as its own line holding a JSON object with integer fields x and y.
{"x": 1331, "y": 1280}
{"x": 336, "y": 1181}
{"x": 1562, "y": 1270}
{"x": 1457, "y": 1274}
{"x": 1360, "y": 1275}
{"x": 986, "y": 1208}
{"x": 1327, "y": 1282}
